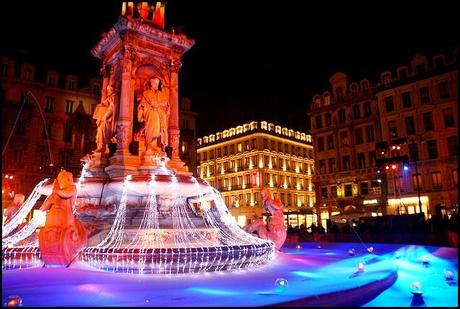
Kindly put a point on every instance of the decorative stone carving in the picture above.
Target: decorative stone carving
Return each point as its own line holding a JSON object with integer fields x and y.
{"x": 63, "y": 236}
{"x": 123, "y": 135}
{"x": 153, "y": 110}
{"x": 275, "y": 230}
{"x": 104, "y": 115}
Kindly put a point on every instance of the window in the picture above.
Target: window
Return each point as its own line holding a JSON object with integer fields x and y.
{"x": 361, "y": 160}
{"x": 406, "y": 99}
{"x": 323, "y": 192}
{"x": 348, "y": 190}
{"x": 354, "y": 91}
{"x": 332, "y": 167}
{"x": 49, "y": 104}
{"x": 320, "y": 142}
{"x": 322, "y": 166}
{"x": 205, "y": 156}
{"x": 413, "y": 152}
{"x": 424, "y": 95}
{"x": 372, "y": 157}
{"x": 71, "y": 84}
{"x": 51, "y": 80}
{"x": 417, "y": 181}
{"x": 392, "y": 129}
{"x": 327, "y": 99}
{"x": 330, "y": 142}
{"x": 443, "y": 90}
{"x": 219, "y": 152}
{"x": 319, "y": 123}
{"x": 365, "y": 86}
{"x": 367, "y": 109}
{"x": 436, "y": 180}
{"x": 69, "y": 107}
{"x": 232, "y": 147}
{"x": 211, "y": 153}
{"x": 356, "y": 112}
{"x": 448, "y": 115}
{"x": 452, "y": 145}
{"x": 328, "y": 120}
{"x": 389, "y": 105}
{"x": 334, "y": 191}
{"x": 410, "y": 125}
{"x": 428, "y": 121}
{"x": 225, "y": 150}
{"x": 399, "y": 182}
{"x": 370, "y": 134}
{"x": 27, "y": 74}
{"x": 455, "y": 177}
{"x": 364, "y": 188}
{"x": 359, "y": 136}
{"x": 344, "y": 139}
{"x": 386, "y": 79}
{"x": 342, "y": 117}
{"x": 345, "y": 163}
{"x": 339, "y": 93}
{"x": 432, "y": 149}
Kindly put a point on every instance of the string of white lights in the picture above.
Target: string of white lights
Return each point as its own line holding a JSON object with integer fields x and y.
{"x": 168, "y": 240}
{"x": 24, "y": 210}
{"x": 23, "y": 233}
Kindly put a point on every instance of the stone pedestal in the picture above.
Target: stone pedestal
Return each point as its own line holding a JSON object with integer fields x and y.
{"x": 98, "y": 162}
{"x": 148, "y": 163}
{"x": 122, "y": 165}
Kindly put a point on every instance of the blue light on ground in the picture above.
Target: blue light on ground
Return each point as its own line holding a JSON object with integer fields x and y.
{"x": 309, "y": 272}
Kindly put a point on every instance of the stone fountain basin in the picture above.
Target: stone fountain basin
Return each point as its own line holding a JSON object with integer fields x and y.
{"x": 139, "y": 185}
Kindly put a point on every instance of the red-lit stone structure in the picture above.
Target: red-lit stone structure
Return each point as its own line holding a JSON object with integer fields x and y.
{"x": 63, "y": 236}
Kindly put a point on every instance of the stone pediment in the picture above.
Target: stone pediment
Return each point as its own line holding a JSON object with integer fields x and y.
{"x": 152, "y": 37}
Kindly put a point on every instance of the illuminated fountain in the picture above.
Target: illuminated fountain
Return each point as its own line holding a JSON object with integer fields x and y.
{"x": 144, "y": 211}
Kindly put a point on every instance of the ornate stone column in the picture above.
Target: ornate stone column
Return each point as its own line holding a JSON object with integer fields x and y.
{"x": 173, "y": 131}
{"x": 123, "y": 163}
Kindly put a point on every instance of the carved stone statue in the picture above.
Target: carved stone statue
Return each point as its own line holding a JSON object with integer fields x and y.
{"x": 275, "y": 230}
{"x": 154, "y": 110}
{"x": 104, "y": 115}
{"x": 63, "y": 236}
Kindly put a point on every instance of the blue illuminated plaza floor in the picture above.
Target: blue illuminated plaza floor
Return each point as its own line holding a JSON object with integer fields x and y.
{"x": 325, "y": 276}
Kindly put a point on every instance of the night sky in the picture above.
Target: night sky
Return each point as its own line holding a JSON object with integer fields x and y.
{"x": 252, "y": 59}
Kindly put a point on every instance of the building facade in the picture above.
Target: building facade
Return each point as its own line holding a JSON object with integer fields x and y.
{"x": 46, "y": 120}
{"x": 345, "y": 128}
{"x": 372, "y": 139}
{"x": 418, "y": 106}
{"x": 240, "y": 161}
